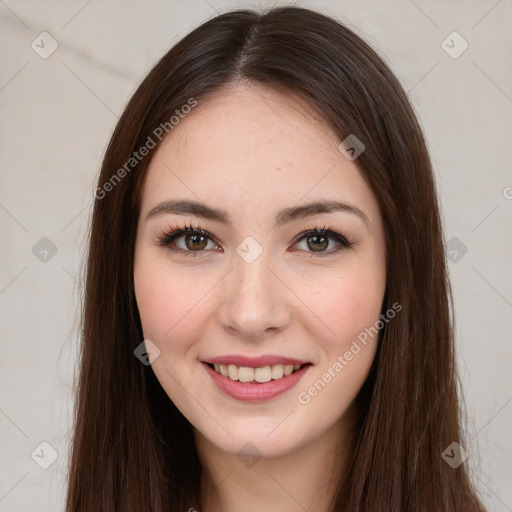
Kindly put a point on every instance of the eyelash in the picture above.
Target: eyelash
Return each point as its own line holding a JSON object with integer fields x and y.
{"x": 165, "y": 238}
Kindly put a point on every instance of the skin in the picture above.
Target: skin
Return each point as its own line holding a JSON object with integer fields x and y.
{"x": 252, "y": 151}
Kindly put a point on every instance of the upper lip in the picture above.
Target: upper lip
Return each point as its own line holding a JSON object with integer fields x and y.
{"x": 253, "y": 362}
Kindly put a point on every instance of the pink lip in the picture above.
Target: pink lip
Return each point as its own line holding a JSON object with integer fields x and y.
{"x": 255, "y": 391}
{"x": 253, "y": 362}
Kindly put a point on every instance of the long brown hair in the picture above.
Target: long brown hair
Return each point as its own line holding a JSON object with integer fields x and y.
{"x": 132, "y": 450}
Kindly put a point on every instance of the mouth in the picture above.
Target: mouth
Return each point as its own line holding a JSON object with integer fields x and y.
{"x": 258, "y": 375}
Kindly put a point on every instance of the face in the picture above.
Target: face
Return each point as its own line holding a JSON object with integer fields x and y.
{"x": 250, "y": 286}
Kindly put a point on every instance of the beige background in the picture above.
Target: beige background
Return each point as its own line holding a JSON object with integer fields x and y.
{"x": 58, "y": 114}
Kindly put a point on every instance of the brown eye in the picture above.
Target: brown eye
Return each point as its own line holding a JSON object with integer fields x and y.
{"x": 195, "y": 242}
{"x": 318, "y": 242}
{"x": 188, "y": 241}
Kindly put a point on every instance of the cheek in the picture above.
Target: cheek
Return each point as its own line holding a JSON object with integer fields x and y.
{"x": 349, "y": 305}
{"x": 349, "y": 309}
{"x": 171, "y": 301}
{"x": 162, "y": 299}
{"x": 346, "y": 304}
{"x": 153, "y": 302}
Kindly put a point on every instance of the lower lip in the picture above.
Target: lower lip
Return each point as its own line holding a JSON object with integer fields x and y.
{"x": 255, "y": 392}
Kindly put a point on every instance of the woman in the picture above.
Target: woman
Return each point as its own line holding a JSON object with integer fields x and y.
{"x": 267, "y": 312}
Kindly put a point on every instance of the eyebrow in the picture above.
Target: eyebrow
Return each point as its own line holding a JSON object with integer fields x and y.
{"x": 284, "y": 216}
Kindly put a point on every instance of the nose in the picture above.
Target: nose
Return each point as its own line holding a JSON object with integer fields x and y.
{"x": 255, "y": 302}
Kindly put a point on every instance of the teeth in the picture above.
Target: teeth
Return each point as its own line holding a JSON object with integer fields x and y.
{"x": 276, "y": 372}
{"x": 233, "y": 371}
{"x": 263, "y": 374}
{"x": 247, "y": 374}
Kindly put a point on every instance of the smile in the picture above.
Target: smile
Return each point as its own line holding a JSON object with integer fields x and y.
{"x": 256, "y": 375}
{"x": 255, "y": 384}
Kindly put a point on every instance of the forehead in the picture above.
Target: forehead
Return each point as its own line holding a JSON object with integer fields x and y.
{"x": 250, "y": 148}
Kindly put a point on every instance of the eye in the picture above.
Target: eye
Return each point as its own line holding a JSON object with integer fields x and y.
{"x": 192, "y": 241}
{"x": 189, "y": 241}
{"x": 319, "y": 240}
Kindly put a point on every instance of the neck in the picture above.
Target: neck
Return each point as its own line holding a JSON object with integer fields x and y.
{"x": 305, "y": 479}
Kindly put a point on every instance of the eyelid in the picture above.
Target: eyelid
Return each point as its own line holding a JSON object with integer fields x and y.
{"x": 329, "y": 232}
{"x": 168, "y": 236}
{"x": 165, "y": 238}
